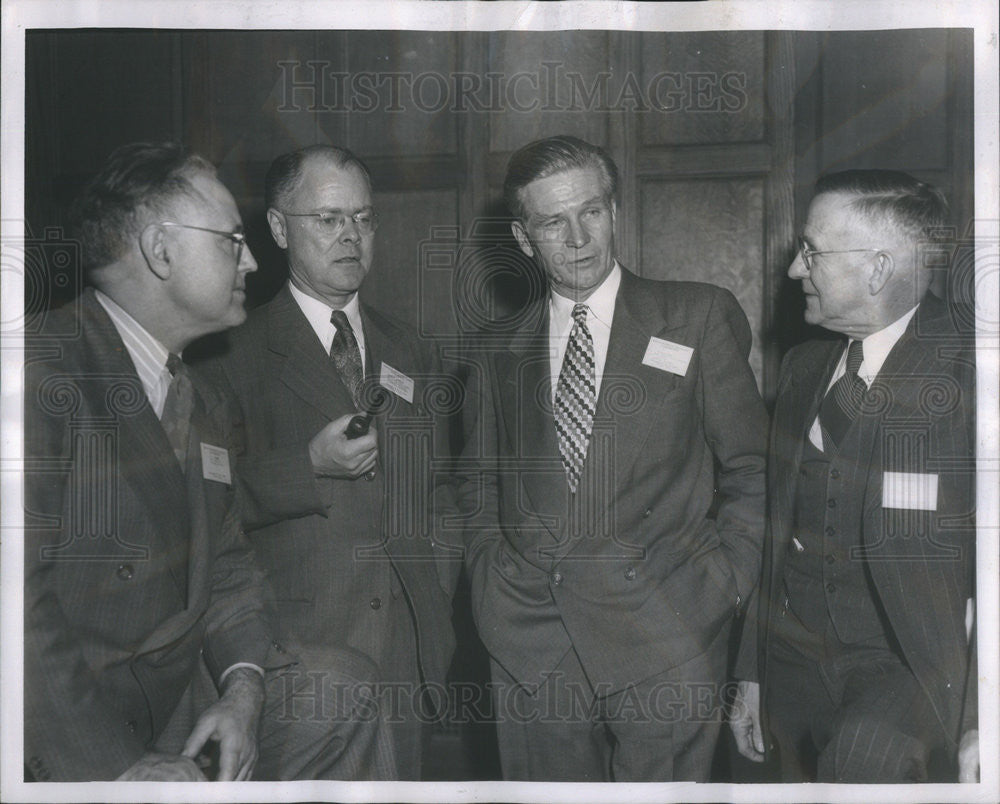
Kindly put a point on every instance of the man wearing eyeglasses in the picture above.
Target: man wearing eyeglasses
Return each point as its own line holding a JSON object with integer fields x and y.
{"x": 148, "y": 645}
{"x": 343, "y": 525}
{"x": 863, "y": 661}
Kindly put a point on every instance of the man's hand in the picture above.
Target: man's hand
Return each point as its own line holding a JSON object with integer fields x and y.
{"x": 334, "y": 455}
{"x": 745, "y": 721}
{"x": 155, "y": 767}
{"x": 233, "y": 723}
{"x": 968, "y": 757}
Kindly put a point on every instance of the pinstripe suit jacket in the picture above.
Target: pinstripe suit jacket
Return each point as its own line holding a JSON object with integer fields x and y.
{"x": 132, "y": 568}
{"x": 642, "y": 567}
{"x": 918, "y": 419}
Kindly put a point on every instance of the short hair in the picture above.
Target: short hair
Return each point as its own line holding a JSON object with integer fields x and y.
{"x": 913, "y": 206}
{"x": 543, "y": 158}
{"x": 138, "y": 177}
{"x": 286, "y": 170}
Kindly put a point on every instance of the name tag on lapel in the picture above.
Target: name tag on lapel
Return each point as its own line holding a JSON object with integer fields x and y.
{"x": 910, "y": 490}
{"x": 215, "y": 464}
{"x": 668, "y": 356}
{"x": 397, "y": 382}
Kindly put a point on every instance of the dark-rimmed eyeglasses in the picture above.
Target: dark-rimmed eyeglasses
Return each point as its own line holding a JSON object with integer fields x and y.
{"x": 238, "y": 238}
{"x": 808, "y": 254}
{"x": 332, "y": 222}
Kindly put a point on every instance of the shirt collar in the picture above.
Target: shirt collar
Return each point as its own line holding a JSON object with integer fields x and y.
{"x": 878, "y": 345}
{"x": 318, "y": 313}
{"x": 147, "y": 353}
{"x": 601, "y": 302}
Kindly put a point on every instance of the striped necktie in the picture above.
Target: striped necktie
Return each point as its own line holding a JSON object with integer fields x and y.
{"x": 843, "y": 401}
{"x": 576, "y": 398}
{"x": 177, "y": 408}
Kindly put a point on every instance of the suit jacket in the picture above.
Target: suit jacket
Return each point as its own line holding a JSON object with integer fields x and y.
{"x": 918, "y": 419}
{"x": 334, "y": 547}
{"x": 132, "y": 568}
{"x": 642, "y": 567}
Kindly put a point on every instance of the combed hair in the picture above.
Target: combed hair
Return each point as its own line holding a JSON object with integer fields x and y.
{"x": 285, "y": 171}
{"x": 135, "y": 179}
{"x": 912, "y": 205}
{"x": 543, "y": 158}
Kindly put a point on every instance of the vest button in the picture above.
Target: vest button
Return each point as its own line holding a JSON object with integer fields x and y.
{"x": 376, "y": 603}
{"x": 557, "y": 578}
{"x": 124, "y": 572}
{"x": 630, "y": 573}
{"x": 835, "y": 474}
{"x": 829, "y": 558}
{"x": 830, "y": 531}
{"x": 646, "y": 513}
{"x": 831, "y": 588}
{"x": 131, "y": 726}
{"x": 831, "y": 503}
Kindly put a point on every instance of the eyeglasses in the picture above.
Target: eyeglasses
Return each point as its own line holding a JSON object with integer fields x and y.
{"x": 332, "y": 222}
{"x": 808, "y": 254}
{"x": 238, "y": 238}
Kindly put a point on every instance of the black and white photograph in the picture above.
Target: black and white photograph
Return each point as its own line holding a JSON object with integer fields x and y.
{"x": 500, "y": 401}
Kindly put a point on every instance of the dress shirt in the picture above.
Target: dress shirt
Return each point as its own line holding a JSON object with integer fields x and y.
{"x": 601, "y": 309}
{"x": 876, "y": 348}
{"x": 318, "y": 315}
{"x": 150, "y": 359}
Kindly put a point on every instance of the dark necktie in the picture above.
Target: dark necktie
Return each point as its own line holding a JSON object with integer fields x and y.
{"x": 843, "y": 401}
{"x": 177, "y": 408}
{"x": 576, "y": 398}
{"x": 346, "y": 355}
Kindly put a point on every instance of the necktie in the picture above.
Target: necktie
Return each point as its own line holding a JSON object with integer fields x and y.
{"x": 576, "y": 398}
{"x": 177, "y": 407}
{"x": 346, "y": 355}
{"x": 843, "y": 400}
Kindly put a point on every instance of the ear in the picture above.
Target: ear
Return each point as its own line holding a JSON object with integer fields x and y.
{"x": 278, "y": 223}
{"x": 153, "y": 244}
{"x": 881, "y": 272}
{"x": 521, "y": 236}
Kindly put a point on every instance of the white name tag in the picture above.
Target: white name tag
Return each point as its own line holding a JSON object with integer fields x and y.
{"x": 397, "y": 382}
{"x": 668, "y": 356}
{"x": 215, "y": 464}
{"x": 910, "y": 490}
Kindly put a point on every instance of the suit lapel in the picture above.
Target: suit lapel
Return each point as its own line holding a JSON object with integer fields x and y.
{"x": 306, "y": 370}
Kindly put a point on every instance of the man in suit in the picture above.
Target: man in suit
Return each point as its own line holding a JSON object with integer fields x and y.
{"x": 864, "y": 658}
{"x": 344, "y": 526}
{"x": 615, "y": 495}
{"x": 139, "y": 582}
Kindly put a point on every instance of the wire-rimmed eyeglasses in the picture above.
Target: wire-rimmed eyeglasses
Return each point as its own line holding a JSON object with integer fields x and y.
{"x": 238, "y": 238}
{"x": 332, "y": 222}
{"x": 808, "y": 254}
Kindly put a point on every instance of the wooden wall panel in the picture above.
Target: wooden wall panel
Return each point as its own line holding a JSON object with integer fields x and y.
{"x": 709, "y": 231}
{"x": 702, "y": 88}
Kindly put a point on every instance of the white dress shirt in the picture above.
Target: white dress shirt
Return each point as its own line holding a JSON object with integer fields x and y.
{"x": 318, "y": 315}
{"x": 876, "y": 348}
{"x": 601, "y": 309}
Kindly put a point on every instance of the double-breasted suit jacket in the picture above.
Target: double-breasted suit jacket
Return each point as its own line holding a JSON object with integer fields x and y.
{"x": 133, "y": 568}
{"x": 337, "y": 549}
{"x": 905, "y": 476}
{"x": 648, "y": 561}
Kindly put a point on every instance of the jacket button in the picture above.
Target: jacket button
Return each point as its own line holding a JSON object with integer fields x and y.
{"x": 646, "y": 513}
{"x": 370, "y": 475}
{"x": 277, "y": 646}
{"x": 630, "y": 573}
{"x": 131, "y": 726}
{"x": 831, "y": 503}
{"x": 830, "y": 530}
{"x": 835, "y": 474}
{"x": 831, "y": 588}
{"x": 376, "y": 603}
{"x": 124, "y": 572}
{"x": 829, "y": 558}
{"x": 557, "y": 578}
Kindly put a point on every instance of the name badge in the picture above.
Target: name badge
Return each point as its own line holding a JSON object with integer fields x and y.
{"x": 668, "y": 356}
{"x": 215, "y": 464}
{"x": 910, "y": 490}
{"x": 397, "y": 382}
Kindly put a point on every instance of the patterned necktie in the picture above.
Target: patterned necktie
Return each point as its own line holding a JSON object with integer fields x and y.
{"x": 843, "y": 400}
{"x": 346, "y": 355}
{"x": 576, "y": 398}
{"x": 177, "y": 408}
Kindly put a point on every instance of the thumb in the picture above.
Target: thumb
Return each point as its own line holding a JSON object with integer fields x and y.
{"x": 199, "y": 736}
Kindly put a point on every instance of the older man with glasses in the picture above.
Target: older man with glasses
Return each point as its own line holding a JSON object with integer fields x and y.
{"x": 343, "y": 524}
{"x": 862, "y": 660}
